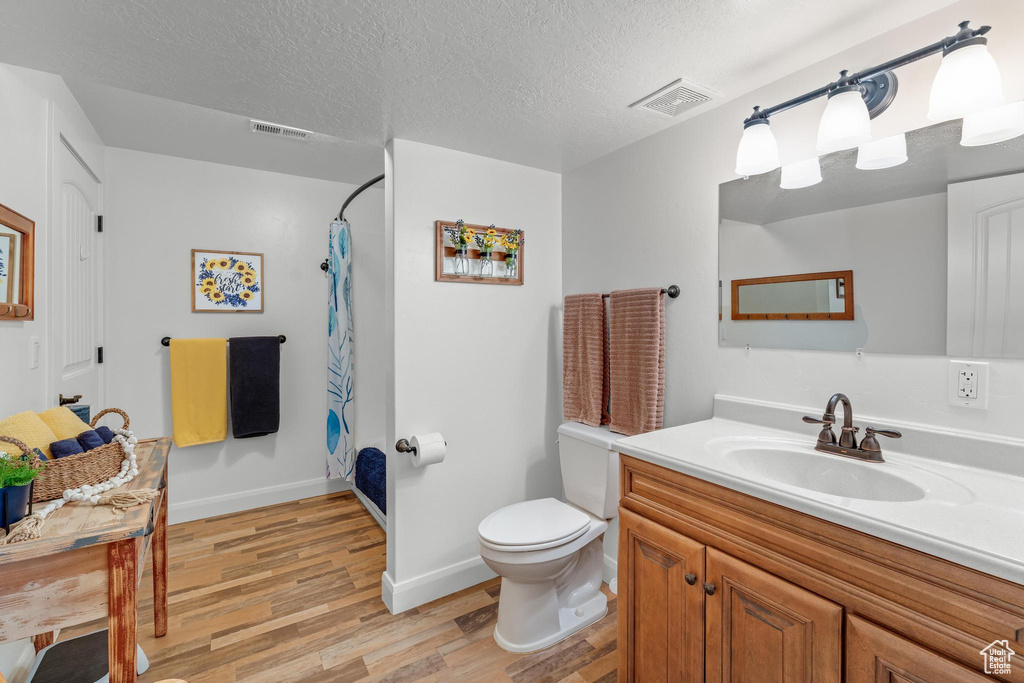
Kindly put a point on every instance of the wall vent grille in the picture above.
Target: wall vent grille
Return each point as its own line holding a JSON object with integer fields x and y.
{"x": 675, "y": 99}
{"x": 278, "y": 130}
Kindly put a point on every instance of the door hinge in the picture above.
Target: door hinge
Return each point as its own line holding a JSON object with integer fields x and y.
{"x": 99, "y": 223}
{"x": 99, "y": 354}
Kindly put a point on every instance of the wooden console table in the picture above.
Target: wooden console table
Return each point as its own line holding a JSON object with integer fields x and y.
{"x": 88, "y": 565}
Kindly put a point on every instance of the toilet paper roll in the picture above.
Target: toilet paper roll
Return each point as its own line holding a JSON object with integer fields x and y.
{"x": 430, "y": 449}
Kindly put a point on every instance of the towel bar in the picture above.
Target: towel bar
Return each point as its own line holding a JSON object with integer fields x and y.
{"x": 166, "y": 341}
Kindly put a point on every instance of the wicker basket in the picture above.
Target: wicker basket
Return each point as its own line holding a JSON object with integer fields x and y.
{"x": 91, "y": 467}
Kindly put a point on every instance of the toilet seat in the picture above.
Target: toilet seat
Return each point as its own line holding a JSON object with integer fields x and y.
{"x": 533, "y": 525}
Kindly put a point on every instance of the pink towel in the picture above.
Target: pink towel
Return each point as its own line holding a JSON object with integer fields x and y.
{"x": 637, "y": 360}
{"x": 584, "y": 370}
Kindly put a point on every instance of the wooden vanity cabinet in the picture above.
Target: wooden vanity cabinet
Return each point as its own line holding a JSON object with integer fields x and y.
{"x": 715, "y": 585}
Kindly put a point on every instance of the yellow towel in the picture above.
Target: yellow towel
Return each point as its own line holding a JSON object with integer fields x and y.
{"x": 27, "y": 427}
{"x": 64, "y": 423}
{"x": 199, "y": 399}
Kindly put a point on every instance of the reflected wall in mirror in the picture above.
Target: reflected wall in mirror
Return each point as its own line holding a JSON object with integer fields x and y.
{"x": 806, "y": 296}
{"x": 936, "y": 245}
{"x": 17, "y": 266}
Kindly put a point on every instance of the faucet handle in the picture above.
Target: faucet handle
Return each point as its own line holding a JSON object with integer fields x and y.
{"x": 826, "y": 435}
{"x": 891, "y": 433}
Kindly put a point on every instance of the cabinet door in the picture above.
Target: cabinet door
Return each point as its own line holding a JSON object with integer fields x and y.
{"x": 661, "y": 598}
{"x": 761, "y": 629}
{"x": 874, "y": 655}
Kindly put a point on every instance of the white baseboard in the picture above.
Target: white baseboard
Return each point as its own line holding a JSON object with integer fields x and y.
{"x": 190, "y": 510}
{"x": 611, "y": 572}
{"x": 372, "y": 508}
{"x": 420, "y": 590}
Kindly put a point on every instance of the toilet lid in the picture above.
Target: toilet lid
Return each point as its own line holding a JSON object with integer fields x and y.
{"x": 533, "y": 522}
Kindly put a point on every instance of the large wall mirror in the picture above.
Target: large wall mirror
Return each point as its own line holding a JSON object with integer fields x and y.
{"x": 935, "y": 246}
{"x": 17, "y": 266}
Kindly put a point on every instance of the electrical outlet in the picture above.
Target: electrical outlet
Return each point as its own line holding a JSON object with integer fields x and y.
{"x": 968, "y": 384}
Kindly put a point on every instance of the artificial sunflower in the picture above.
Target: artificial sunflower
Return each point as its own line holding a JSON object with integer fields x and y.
{"x": 246, "y": 295}
{"x": 248, "y": 280}
{"x": 211, "y": 264}
{"x": 208, "y": 290}
{"x": 217, "y": 296}
{"x": 224, "y": 263}
{"x": 209, "y": 282}
{"x": 241, "y": 267}
{"x": 250, "y": 273}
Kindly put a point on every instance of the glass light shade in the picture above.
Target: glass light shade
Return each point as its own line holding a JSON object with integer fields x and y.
{"x": 993, "y": 125}
{"x": 845, "y": 123}
{"x": 758, "y": 152}
{"x": 884, "y": 153}
{"x": 967, "y": 82}
{"x": 801, "y": 174}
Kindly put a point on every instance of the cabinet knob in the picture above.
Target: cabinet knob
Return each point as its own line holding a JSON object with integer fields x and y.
{"x": 691, "y": 579}
{"x": 709, "y": 588}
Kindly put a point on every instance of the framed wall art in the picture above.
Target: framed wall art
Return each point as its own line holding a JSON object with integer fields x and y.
{"x": 481, "y": 254}
{"x": 227, "y": 281}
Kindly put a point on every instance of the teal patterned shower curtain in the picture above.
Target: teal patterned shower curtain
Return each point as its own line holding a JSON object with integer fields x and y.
{"x": 341, "y": 447}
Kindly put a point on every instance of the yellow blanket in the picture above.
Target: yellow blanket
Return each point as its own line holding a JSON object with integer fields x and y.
{"x": 199, "y": 373}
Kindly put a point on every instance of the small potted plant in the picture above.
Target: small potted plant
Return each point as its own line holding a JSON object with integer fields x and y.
{"x": 486, "y": 243}
{"x": 461, "y": 237}
{"x": 16, "y": 475}
{"x": 511, "y": 243}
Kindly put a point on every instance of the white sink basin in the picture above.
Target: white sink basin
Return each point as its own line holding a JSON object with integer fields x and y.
{"x": 797, "y": 464}
{"x": 829, "y": 474}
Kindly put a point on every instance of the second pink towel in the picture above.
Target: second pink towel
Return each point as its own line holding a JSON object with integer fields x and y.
{"x": 637, "y": 360}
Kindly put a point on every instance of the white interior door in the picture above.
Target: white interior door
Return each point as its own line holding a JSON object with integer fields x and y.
{"x": 985, "y": 315}
{"x": 76, "y": 284}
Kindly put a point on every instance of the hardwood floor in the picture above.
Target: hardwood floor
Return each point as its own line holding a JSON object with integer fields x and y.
{"x": 292, "y": 593}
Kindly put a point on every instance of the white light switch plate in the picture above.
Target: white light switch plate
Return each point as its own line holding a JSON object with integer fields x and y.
{"x": 968, "y": 384}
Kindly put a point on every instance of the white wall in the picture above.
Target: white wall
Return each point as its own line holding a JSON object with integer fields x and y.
{"x": 474, "y": 362}
{"x": 897, "y": 252}
{"x": 34, "y": 108}
{"x": 647, "y": 215}
{"x": 158, "y": 209}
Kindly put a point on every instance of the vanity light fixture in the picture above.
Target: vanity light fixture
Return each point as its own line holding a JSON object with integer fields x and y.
{"x": 993, "y": 125}
{"x": 801, "y": 174}
{"x": 968, "y": 82}
{"x": 884, "y": 153}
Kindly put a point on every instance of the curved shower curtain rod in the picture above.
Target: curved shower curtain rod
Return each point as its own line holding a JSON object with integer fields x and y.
{"x": 368, "y": 183}
{"x": 325, "y": 266}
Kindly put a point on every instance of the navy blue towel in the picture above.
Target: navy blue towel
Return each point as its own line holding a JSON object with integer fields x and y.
{"x": 90, "y": 440}
{"x": 371, "y": 476}
{"x": 255, "y": 385}
{"x": 65, "y": 447}
{"x": 105, "y": 433}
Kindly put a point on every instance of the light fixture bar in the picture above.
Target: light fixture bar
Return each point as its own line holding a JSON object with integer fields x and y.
{"x": 964, "y": 34}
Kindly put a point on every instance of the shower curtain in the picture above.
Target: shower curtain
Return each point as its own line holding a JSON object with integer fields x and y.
{"x": 341, "y": 446}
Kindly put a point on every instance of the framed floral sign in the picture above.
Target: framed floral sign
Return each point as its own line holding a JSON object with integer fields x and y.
{"x": 227, "y": 281}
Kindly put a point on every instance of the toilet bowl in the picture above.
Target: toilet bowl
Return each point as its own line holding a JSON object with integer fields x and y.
{"x": 549, "y": 553}
{"x": 550, "y": 585}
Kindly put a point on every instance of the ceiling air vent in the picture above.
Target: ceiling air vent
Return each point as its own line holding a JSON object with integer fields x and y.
{"x": 267, "y": 128}
{"x": 678, "y": 97}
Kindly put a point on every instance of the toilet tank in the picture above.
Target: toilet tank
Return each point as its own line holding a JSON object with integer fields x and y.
{"x": 590, "y": 468}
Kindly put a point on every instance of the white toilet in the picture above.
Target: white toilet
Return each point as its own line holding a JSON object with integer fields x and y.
{"x": 548, "y": 553}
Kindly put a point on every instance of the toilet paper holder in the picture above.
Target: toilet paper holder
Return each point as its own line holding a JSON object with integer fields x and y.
{"x": 403, "y": 446}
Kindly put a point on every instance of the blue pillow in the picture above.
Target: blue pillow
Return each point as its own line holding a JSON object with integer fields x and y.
{"x": 90, "y": 440}
{"x": 105, "y": 433}
{"x": 65, "y": 447}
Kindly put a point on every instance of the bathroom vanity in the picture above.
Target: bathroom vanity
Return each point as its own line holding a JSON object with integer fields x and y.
{"x": 744, "y": 555}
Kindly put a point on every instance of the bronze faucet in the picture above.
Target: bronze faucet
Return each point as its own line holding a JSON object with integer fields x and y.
{"x": 869, "y": 449}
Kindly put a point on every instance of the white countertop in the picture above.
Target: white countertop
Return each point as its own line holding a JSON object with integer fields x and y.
{"x": 967, "y": 514}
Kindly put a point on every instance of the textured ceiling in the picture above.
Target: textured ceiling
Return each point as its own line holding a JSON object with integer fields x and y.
{"x": 545, "y": 84}
{"x": 935, "y": 158}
